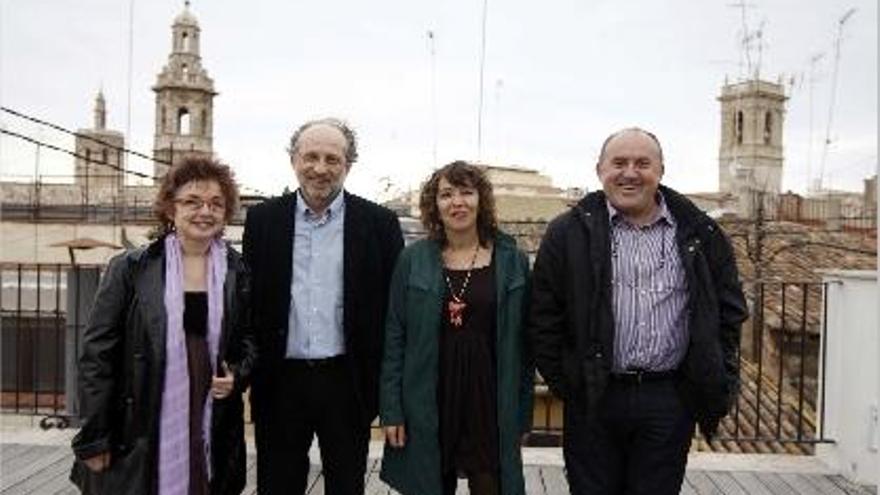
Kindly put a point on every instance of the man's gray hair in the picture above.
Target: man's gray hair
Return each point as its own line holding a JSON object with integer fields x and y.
{"x": 351, "y": 153}
{"x": 631, "y": 129}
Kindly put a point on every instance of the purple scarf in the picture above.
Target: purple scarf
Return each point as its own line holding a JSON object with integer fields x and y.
{"x": 174, "y": 416}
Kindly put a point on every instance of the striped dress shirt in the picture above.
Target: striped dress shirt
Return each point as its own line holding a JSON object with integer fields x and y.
{"x": 649, "y": 293}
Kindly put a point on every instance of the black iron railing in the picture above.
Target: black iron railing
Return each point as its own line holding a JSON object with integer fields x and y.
{"x": 779, "y": 408}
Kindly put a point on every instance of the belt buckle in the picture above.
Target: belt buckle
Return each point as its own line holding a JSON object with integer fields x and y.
{"x": 636, "y": 374}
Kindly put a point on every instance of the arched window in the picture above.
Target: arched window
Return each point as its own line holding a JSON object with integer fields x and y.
{"x": 185, "y": 70}
{"x": 738, "y": 127}
{"x": 163, "y": 122}
{"x": 768, "y": 127}
{"x": 183, "y": 123}
{"x": 204, "y": 122}
{"x": 104, "y": 155}
{"x": 184, "y": 42}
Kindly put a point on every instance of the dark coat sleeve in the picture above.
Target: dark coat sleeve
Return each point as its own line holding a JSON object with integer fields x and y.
{"x": 100, "y": 363}
{"x": 547, "y": 310}
{"x": 391, "y": 376}
{"x": 246, "y": 345}
{"x": 527, "y": 380}
{"x": 732, "y": 309}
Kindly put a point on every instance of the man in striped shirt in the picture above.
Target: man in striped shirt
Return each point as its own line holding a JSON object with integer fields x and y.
{"x": 636, "y": 313}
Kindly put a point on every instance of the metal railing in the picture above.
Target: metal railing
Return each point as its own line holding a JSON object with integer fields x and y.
{"x": 779, "y": 408}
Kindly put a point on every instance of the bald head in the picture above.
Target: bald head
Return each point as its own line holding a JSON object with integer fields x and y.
{"x": 630, "y": 130}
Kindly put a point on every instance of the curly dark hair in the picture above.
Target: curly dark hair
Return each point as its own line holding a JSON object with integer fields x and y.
{"x": 193, "y": 169}
{"x": 351, "y": 153}
{"x": 462, "y": 174}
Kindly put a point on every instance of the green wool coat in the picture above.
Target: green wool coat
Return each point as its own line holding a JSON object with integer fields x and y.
{"x": 408, "y": 382}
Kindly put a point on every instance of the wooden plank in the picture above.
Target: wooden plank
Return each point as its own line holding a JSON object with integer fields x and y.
{"x": 725, "y": 482}
{"x": 800, "y": 484}
{"x": 532, "y": 475}
{"x": 315, "y": 483}
{"x": 701, "y": 483}
{"x": 775, "y": 484}
{"x": 687, "y": 488}
{"x": 250, "y": 483}
{"x": 750, "y": 483}
{"x": 850, "y": 487}
{"x": 50, "y": 480}
{"x": 36, "y": 459}
{"x": 554, "y": 480}
{"x": 824, "y": 485}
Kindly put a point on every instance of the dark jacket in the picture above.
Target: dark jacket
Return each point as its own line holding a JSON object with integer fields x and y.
{"x": 410, "y": 366}
{"x": 121, "y": 372}
{"x": 572, "y": 324}
{"x": 372, "y": 241}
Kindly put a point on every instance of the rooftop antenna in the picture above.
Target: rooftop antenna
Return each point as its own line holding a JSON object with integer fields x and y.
{"x": 482, "y": 67}
{"x": 745, "y": 39}
{"x": 837, "y": 41}
{"x": 814, "y": 59}
{"x": 433, "y": 53}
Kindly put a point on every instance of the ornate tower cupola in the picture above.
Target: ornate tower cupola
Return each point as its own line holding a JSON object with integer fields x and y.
{"x": 184, "y": 98}
{"x": 751, "y": 154}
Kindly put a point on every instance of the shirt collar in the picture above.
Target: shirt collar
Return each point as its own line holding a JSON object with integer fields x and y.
{"x": 335, "y": 208}
{"x": 662, "y": 212}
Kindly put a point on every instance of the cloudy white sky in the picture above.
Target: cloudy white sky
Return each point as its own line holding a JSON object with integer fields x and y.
{"x": 559, "y": 76}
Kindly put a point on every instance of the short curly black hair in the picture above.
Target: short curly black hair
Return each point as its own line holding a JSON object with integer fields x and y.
{"x": 351, "y": 153}
{"x": 193, "y": 169}
{"x": 462, "y": 174}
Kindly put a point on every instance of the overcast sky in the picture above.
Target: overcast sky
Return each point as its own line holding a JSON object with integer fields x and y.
{"x": 559, "y": 76}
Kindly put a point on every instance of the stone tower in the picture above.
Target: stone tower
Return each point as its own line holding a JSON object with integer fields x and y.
{"x": 752, "y": 115}
{"x": 99, "y": 157}
{"x": 184, "y": 99}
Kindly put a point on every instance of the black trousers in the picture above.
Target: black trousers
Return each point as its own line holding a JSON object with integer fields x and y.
{"x": 308, "y": 401}
{"x": 636, "y": 443}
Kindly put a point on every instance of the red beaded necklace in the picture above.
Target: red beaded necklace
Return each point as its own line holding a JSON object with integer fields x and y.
{"x": 457, "y": 305}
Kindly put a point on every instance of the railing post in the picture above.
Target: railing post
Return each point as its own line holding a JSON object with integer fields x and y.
{"x": 82, "y": 283}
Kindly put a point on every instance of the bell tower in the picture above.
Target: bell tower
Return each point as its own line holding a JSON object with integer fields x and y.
{"x": 184, "y": 99}
{"x": 751, "y": 155}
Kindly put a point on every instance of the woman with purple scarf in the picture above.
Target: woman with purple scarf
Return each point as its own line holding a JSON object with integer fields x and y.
{"x": 168, "y": 350}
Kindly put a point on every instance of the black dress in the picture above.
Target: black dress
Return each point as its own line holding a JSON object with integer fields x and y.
{"x": 467, "y": 384}
{"x": 195, "y": 325}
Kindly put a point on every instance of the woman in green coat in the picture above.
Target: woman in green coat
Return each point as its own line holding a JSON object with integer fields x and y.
{"x": 456, "y": 386}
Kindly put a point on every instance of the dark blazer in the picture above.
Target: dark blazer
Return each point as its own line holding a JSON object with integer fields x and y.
{"x": 572, "y": 323}
{"x": 121, "y": 372}
{"x": 372, "y": 241}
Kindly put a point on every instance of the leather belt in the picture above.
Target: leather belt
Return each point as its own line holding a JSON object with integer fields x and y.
{"x": 317, "y": 362}
{"x": 635, "y": 377}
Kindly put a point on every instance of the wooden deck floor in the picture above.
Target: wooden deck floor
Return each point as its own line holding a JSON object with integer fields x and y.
{"x": 43, "y": 469}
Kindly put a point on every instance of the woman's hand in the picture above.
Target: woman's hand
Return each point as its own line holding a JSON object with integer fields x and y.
{"x": 98, "y": 462}
{"x": 221, "y": 386}
{"x": 395, "y": 435}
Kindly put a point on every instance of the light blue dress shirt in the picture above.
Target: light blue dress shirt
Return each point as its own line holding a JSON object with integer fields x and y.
{"x": 316, "y": 309}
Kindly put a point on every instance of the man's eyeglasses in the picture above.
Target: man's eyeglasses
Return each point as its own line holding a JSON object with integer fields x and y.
{"x": 196, "y": 204}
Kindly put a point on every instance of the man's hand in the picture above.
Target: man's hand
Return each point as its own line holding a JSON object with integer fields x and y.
{"x": 98, "y": 462}
{"x": 395, "y": 435}
{"x": 221, "y": 386}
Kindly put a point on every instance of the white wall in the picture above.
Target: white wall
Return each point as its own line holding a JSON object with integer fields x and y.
{"x": 852, "y": 376}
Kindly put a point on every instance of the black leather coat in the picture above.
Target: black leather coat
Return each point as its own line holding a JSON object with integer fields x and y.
{"x": 121, "y": 371}
{"x": 572, "y": 324}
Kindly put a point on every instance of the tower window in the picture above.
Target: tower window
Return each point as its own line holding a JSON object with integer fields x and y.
{"x": 768, "y": 127}
{"x": 738, "y": 127}
{"x": 204, "y": 122}
{"x": 104, "y": 155}
{"x": 185, "y": 70}
{"x": 183, "y": 123}
{"x": 163, "y": 122}
{"x": 184, "y": 41}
